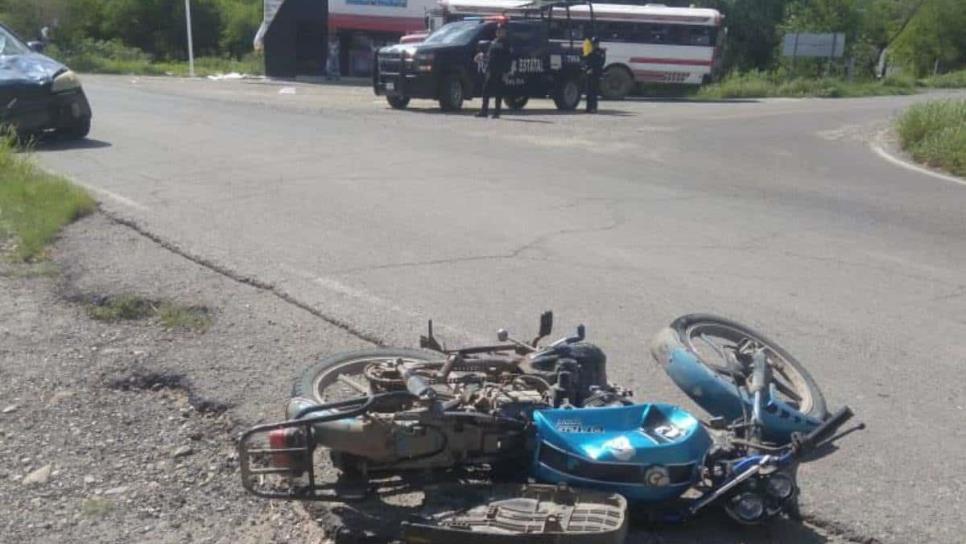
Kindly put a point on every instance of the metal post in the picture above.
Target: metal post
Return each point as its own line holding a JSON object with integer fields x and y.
{"x": 191, "y": 45}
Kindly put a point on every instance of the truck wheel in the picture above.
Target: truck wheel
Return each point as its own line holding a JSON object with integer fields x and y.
{"x": 516, "y": 103}
{"x": 451, "y": 93}
{"x": 78, "y": 131}
{"x": 616, "y": 83}
{"x": 398, "y": 102}
{"x": 567, "y": 95}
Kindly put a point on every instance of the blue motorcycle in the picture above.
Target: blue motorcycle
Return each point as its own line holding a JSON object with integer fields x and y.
{"x": 545, "y": 420}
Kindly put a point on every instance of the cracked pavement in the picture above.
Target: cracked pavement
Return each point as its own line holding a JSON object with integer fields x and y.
{"x": 775, "y": 213}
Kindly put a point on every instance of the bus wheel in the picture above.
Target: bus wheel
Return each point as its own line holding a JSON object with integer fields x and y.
{"x": 616, "y": 83}
{"x": 567, "y": 95}
{"x": 398, "y": 102}
{"x": 451, "y": 94}
{"x": 516, "y": 103}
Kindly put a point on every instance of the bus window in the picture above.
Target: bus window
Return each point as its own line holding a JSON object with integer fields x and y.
{"x": 699, "y": 35}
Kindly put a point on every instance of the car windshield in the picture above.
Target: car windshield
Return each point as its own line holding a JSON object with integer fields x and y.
{"x": 459, "y": 33}
{"x": 9, "y": 45}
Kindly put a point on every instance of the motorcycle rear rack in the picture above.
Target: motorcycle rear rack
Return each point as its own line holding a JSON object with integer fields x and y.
{"x": 252, "y": 457}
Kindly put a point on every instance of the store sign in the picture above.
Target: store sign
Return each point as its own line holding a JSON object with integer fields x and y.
{"x": 379, "y": 3}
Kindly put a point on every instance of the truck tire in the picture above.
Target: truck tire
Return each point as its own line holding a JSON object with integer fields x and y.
{"x": 77, "y": 131}
{"x": 451, "y": 93}
{"x": 567, "y": 94}
{"x": 617, "y": 83}
{"x": 516, "y": 103}
{"x": 397, "y": 102}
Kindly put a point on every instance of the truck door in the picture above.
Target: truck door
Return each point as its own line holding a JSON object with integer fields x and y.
{"x": 529, "y": 45}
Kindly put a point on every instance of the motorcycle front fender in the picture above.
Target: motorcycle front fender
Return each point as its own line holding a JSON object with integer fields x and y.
{"x": 719, "y": 396}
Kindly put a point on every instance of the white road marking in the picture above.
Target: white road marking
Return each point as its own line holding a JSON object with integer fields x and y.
{"x": 373, "y": 300}
{"x": 880, "y": 150}
{"x": 109, "y": 194}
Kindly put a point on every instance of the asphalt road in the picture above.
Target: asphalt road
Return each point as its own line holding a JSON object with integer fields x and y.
{"x": 776, "y": 213}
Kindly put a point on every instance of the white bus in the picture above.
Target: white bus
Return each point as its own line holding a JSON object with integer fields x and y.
{"x": 649, "y": 43}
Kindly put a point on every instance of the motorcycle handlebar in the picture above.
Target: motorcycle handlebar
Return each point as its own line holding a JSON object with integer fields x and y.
{"x": 825, "y": 430}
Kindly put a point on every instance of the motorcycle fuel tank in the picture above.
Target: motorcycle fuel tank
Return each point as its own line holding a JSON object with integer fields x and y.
{"x": 646, "y": 452}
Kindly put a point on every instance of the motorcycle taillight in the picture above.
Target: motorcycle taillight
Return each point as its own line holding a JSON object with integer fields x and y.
{"x": 290, "y": 446}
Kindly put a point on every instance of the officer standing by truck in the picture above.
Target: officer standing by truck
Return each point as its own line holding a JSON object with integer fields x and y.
{"x": 498, "y": 61}
{"x": 593, "y": 64}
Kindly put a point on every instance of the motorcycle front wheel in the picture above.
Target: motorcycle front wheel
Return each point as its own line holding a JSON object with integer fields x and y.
{"x": 726, "y": 346}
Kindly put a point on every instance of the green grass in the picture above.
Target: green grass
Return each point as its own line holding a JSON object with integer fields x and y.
{"x": 174, "y": 316}
{"x": 34, "y": 205}
{"x": 128, "y": 307}
{"x": 952, "y": 80}
{"x": 934, "y": 133}
{"x": 96, "y": 507}
{"x": 767, "y": 85}
{"x": 92, "y": 56}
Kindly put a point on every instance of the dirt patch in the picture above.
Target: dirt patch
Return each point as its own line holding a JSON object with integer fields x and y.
{"x": 121, "y": 430}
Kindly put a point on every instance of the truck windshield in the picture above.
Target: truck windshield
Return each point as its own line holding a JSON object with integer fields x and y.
{"x": 459, "y": 33}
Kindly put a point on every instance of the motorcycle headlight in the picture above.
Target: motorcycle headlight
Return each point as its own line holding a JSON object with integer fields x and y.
{"x": 657, "y": 476}
{"x": 748, "y": 507}
{"x": 66, "y": 81}
{"x": 780, "y": 486}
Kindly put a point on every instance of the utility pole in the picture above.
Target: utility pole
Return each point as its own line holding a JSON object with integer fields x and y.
{"x": 191, "y": 45}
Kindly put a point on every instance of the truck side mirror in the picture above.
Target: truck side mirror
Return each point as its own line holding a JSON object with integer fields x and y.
{"x": 37, "y": 46}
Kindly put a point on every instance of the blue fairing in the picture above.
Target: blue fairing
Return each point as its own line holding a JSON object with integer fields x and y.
{"x": 720, "y": 397}
{"x": 613, "y": 448}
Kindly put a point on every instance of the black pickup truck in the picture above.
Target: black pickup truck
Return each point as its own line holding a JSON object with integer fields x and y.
{"x": 443, "y": 67}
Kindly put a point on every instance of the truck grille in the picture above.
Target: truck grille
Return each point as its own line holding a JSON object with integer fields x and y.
{"x": 390, "y": 64}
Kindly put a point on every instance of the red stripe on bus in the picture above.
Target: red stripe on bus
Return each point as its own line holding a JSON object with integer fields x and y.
{"x": 376, "y": 22}
{"x": 687, "y": 62}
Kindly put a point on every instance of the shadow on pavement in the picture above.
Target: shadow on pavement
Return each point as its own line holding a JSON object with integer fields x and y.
{"x": 688, "y": 100}
{"x": 526, "y": 112}
{"x": 377, "y": 518}
{"x": 53, "y": 143}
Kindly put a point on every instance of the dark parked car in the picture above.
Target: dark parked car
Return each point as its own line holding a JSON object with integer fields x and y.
{"x": 37, "y": 93}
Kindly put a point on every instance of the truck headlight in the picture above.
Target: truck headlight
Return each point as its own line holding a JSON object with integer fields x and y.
{"x": 424, "y": 62}
{"x": 66, "y": 81}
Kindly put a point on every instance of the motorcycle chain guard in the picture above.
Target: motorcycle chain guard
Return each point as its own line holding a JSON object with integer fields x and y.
{"x": 515, "y": 513}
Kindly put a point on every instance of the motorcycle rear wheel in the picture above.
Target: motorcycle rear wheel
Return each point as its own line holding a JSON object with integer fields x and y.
{"x": 320, "y": 382}
{"x": 698, "y": 332}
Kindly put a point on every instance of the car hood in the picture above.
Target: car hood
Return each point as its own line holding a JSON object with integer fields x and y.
{"x": 413, "y": 48}
{"x": 27, "y": 71}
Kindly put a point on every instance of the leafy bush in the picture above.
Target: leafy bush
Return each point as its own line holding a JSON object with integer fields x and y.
{"x": 952, "y": 80}
{"x": 934, "y": 133}
{"x": 778, "y": 84}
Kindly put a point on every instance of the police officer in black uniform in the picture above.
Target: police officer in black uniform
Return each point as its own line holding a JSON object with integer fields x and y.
{"x": 498, "y": 61}
{"x": 593, "y": 64}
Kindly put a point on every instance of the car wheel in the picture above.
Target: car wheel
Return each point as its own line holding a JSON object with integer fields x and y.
{"x": 567, "y": 95}
{"x": 77, "y": 131}
{"x": 451, "y": 94}
{"x": 616, "y": 83}
{"x": 398, "y": 102}
{"x": 516, "y": 103}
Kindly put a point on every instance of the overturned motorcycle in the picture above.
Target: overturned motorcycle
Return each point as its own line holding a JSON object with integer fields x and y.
{"x": 550, "y": 410}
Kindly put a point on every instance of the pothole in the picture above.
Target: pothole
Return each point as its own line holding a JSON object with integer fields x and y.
{"x": 157, "y": 381}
